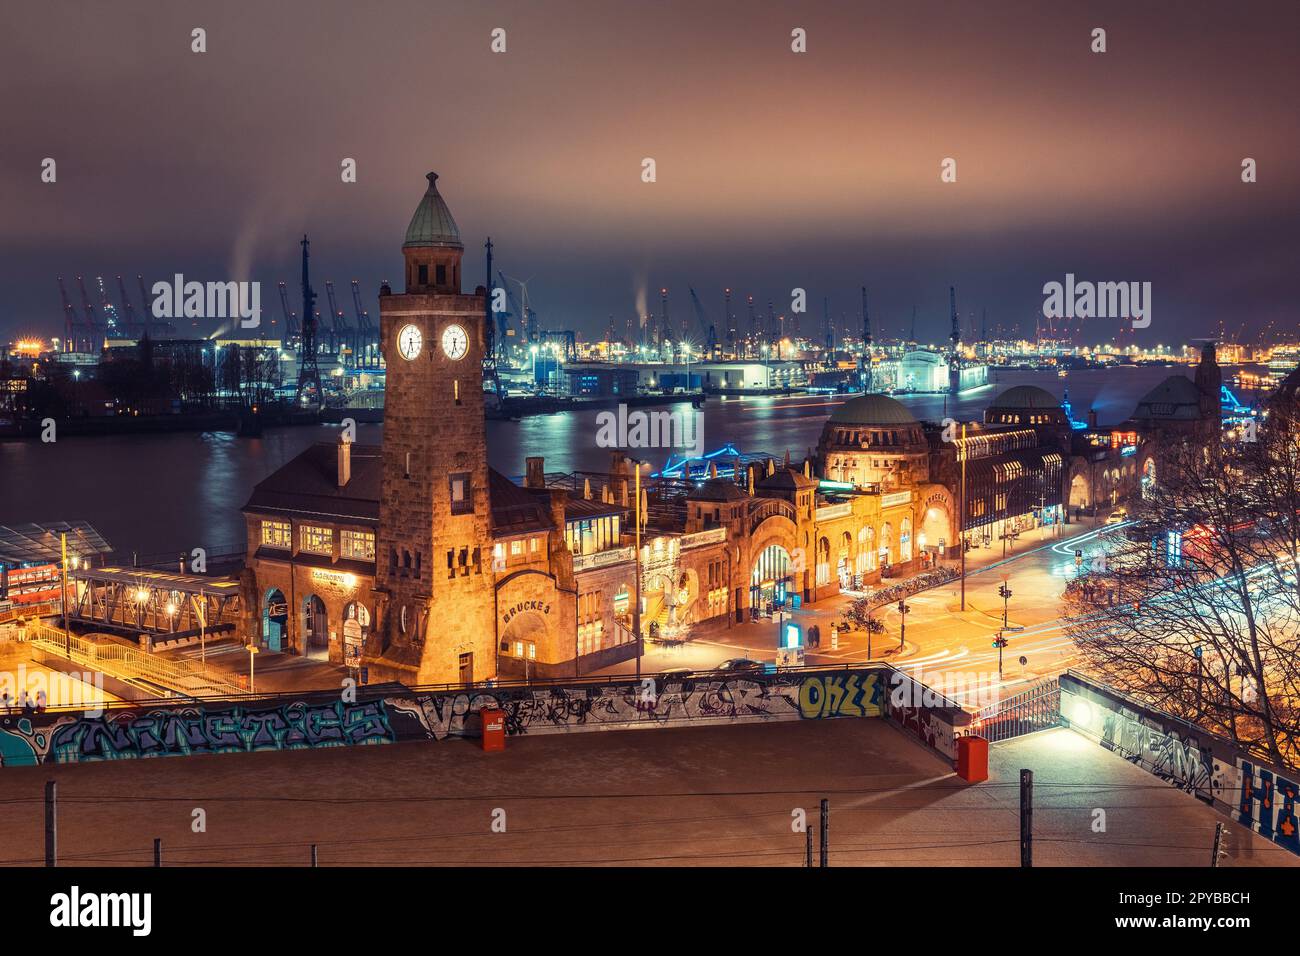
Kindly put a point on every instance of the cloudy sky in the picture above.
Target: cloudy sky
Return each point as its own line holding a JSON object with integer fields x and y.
{"x": 775, "y": 170}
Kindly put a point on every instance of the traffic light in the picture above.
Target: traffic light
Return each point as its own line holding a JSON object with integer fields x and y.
{"x": 999, "y": 642}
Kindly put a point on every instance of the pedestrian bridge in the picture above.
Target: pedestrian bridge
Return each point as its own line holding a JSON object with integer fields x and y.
{"x": 163, "y": 605}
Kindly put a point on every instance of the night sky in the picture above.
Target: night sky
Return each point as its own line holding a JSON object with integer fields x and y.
{"x": 775, "y": 169}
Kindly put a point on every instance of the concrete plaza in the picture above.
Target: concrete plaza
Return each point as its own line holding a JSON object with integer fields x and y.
{"x": 713, "y": 795}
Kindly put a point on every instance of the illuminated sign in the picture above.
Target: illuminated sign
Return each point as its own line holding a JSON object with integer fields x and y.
{"x": 339, "y": 579}
{"x": 791, "y": 638}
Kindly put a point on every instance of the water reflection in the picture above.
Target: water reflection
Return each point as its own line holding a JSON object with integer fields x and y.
{"x": 167, "y": 493}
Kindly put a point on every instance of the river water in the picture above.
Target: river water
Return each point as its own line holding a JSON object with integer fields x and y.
{"x": 173, "y": 492}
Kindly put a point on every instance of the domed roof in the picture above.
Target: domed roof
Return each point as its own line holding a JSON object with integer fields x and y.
{"x": 873, "y": 409}
{"x": 717, "y": 489}
{"x": 1175, "y": 397}
{"x": 432, "y": 224}
{"x": 1026, "y": 396}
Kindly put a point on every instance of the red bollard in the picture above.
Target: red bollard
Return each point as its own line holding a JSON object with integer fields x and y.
{"x": 972, "y": 759}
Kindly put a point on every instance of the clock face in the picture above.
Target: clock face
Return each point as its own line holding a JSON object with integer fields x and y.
{"x": 455, "y": 343}
{"x": 409, "y": 342}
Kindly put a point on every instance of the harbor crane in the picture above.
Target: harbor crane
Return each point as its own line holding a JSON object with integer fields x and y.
{"x": 132, "y": 324}
{"x": 91, "y": 324}
{"x": 71, "y": 323}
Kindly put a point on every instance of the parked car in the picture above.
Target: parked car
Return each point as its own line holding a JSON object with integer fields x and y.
{"x": 675, "y": 673}
{"x": 1118, "y": 516}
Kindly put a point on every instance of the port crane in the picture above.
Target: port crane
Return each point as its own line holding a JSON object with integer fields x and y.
{"x": 707, "y": 328}
{"x": 91, "y": 324}
{"x": 131, "y": 323}
{"x": 366, "y": 332}
{"x": 290, "y": 318}
{"x": 71, "y": 322}
{"x": 342, "y": 335}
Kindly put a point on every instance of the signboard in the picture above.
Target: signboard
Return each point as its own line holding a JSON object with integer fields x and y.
{"x": 789, "y": 657}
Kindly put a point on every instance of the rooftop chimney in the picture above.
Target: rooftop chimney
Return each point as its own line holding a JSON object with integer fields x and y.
{"x": 345, "y": 461}
{"x": 535, "y": 473}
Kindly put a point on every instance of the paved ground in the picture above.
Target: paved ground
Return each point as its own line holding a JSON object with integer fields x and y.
{"x": 718, "y": 795}
{"x": 941, "y": 639}
{"x": 272, "y": 672}
{"x": 18, "y": 672}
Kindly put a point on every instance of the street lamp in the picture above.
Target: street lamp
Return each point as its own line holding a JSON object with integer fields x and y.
{"x": 961, "y": 448}
{"x": 252, "y": 655}
{"x": 873, "y": 627}
{"x": 636, "y": 598}
{"x": 903, "y": 610}
{"x": 1004, "y": 592}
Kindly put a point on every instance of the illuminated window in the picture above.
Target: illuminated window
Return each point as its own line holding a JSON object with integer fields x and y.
{"x": 359, "y": 545}
{"x": 462, "y": 502}
{"x": 316, "y": 540}
{"x": 277, "y": 534}
{"x": 516, "y": 547}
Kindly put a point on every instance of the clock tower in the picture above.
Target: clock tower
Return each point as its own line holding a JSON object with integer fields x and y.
{"x": 433, "y": 562}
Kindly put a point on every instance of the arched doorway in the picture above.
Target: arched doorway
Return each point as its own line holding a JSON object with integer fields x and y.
{"x": 935, "y": 536}
{"x": 905, "y": 541}
{"x": 356, "y": 628}
{"x": 843, "y": 567}
{"x": 886, "y": 539}
{"x": 1079, "y": 497}
{"x": 769, "y": 580}
{"x": 519, "y": 642}
{"x": 275, "y": 620}
{"x": 315, "y": 629}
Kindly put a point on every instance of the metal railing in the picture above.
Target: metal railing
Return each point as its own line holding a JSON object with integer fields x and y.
{"x": 182, "y": 678}
{"x": 1038, "y": 708}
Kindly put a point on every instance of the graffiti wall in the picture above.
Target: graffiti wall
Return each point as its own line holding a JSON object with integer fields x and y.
{"x": 398, "y": 714}
{"x": 179, "y": 731}
{"x": 925, "y": 714}
{"x": 1267, "y": 805}
{"x": 1212, "y": 769}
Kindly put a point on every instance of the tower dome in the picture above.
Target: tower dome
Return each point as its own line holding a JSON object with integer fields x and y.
{"x": 432, "y": 224}
{"x": 873, "y": 409}
{"x": 1026, "y": 405}
{"x": 432, "y": 248}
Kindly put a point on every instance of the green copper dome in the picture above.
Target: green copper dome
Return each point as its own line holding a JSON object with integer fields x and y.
{"x": 873, "y": 409}
{"x": 432, "y": 224}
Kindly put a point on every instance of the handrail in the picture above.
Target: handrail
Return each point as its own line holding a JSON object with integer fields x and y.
{"x": 129, "y": 664}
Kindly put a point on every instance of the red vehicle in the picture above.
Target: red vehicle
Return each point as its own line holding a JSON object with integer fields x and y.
{"x": 31, "y": 585}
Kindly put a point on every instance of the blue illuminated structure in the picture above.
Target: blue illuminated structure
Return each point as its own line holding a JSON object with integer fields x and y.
{"x": 696, "y": 467}
{"x": 1069, "y": 412}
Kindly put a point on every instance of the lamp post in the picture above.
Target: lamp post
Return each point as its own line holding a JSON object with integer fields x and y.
{"x": 873, "y": 627}
{"x": 1004, "y": 592}
{"x": 636, "y": 599}
{"x": 961, "y": 450}
{"x": 252, "y": 656}
{"x": 903, "y": 610}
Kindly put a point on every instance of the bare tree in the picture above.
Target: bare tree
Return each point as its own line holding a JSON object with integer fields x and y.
{"x": 1197, "y": 611}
